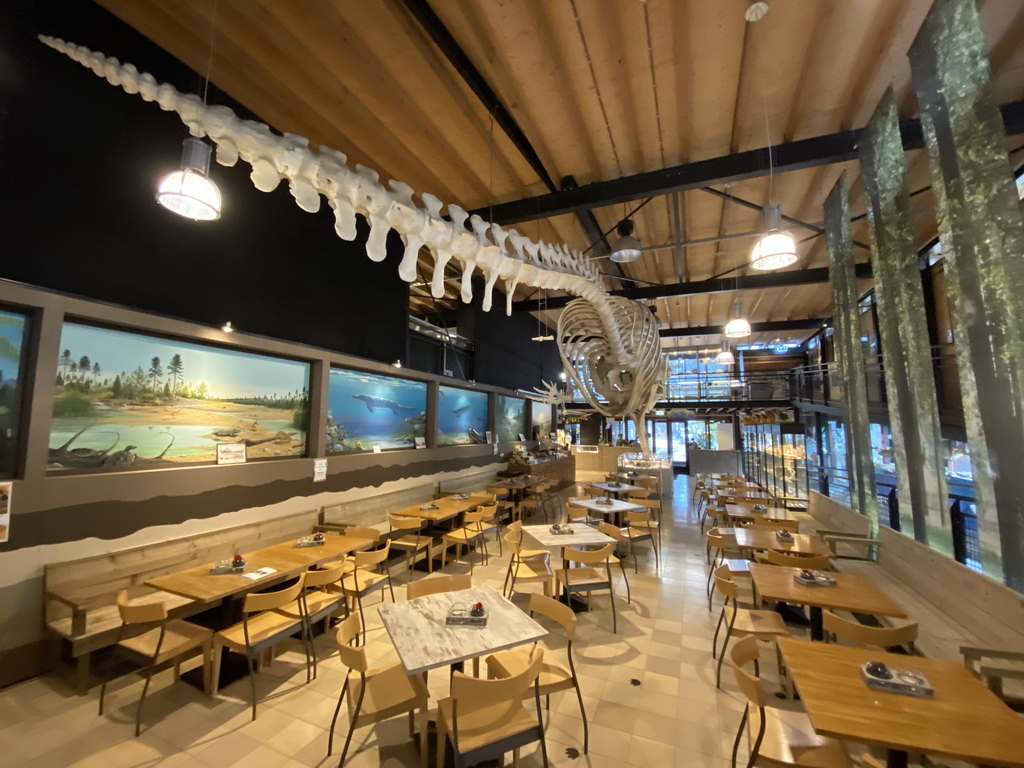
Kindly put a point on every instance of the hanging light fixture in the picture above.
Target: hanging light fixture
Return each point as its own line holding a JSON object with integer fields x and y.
{"x": 738, "y": 327}
{"x": 190, "y": 192}
{"x": 541, "y": 336}
{"x": 725, "y": 357}
{"x": 756, "y": 10}
{"x": 627, "y": 247}
{"x": 776, "y": 248}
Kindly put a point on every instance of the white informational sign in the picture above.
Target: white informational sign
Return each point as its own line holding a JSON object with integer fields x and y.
{"x": 319, "y": 470}
{"x": 488, "y": 436}
{"x": 522, "y": 437}
{"x": 421, "y": 442}
{"x": 5, "y": 511}
{"x": 376, "y": 449}
{"x": 586, "y": 449}
{"x": 231, "y": 453}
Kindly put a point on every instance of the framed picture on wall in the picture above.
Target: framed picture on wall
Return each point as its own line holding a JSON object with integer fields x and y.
{"x": 511, "y": 418}
{"x": 13, "y": 344}
{"x": 5, "y": 511}
{"x": 371, "y": 412}
{"x": 461, "y": 416}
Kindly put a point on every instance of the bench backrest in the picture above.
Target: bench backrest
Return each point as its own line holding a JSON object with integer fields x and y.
{"x": 94, "y": 581}
{"x": 832, "y": 515}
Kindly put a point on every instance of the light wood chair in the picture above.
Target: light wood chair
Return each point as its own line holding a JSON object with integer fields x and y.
{"x": 628, "y": 535}
{"x": 362, "y": 579}
{"x": 320, "y": 599}
{"x": 810, "y": 562}
{"x": 776, "y": 737}
{"x": 167, "y": 640}
{"x": 638, "y": 495}
{"x": 527, "y": 554}
{"x": 579, "y": 515}
{"x": 471, "y": 532}
{"x": 653, "y": 523}
{"x": 437, "y": 584}
{"x": 377, "y": 694}
{"x": 491, "y": 520}
{"x": 261, "y": 628}
{"x": 590, "y": 576}
{"x": 741, "y": 622}
{"x": 902, "y": 636}
{"x": 484, "y": 719}
{"x": 554, "y": 677}
{"x": 411, "y": 540}
{"x": 533, "y": 570}
{"x": 724, "y": 551}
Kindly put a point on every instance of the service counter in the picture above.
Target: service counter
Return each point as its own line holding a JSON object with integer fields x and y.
{"x": 561, "y": 470}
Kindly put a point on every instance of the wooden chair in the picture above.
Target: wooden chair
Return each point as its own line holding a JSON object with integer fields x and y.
{"x": 535, "y": 569}
{"x": 776, "y": 737}
{"x": 411, "y": 540}
{"x": 590, "y": 576}
{"x": 724, "y": 551}
{"x": 318, "y": 601}
{"x": 638, "y": 495}
{"x": 363, "y": 578}
{"x": 554, "y": 677}
{"x": 578, "y": 515}
{"x": 484, "y": 719}
{"x": 763, "y": 625}
{"x": 628, "y": 535}
{"x": 261, "y": 628}
{"x": 472, "y": 531}
{"x": 165, "y": 641}
{"x": 491, "y": 521}
{"x": 377, "y": 694}
{"x": 810, "y": 562}
{"x": 875, "y": 637}
{"x": 652, "y": 524}
{"x": 438, "y": 584}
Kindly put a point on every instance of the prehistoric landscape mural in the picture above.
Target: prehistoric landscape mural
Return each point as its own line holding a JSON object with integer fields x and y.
{"x": 130, "y": 401}
{"x": 461, "y": 416}
{"x": 12, "y": 340}
{"x": 540, "y": 417}
{"x": 364, "y": 410}
{"x": 511, "y": 418}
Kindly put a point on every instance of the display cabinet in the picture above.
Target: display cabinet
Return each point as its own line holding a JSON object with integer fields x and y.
{"x": 774, "y": 455}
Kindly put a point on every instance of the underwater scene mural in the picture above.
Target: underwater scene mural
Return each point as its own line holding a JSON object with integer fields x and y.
{"x": 131, "y": 401}
{"x": 540, "y": 416}
{"x": 364, "y": 410}
{"x": 12, "y": 351}
{"x": 511, "y": 418}
{"x": 461, "y": 416}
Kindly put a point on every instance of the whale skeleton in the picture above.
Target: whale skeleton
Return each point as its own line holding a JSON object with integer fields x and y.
{"x": 609, "y": 345}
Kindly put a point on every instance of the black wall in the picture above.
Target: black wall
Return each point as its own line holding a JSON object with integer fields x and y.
{"x": 506, "y": 355}
{"x": 80, "y": 162}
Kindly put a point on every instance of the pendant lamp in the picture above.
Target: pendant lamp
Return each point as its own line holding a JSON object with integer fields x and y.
{"x": 776, "y": 248}
{"x": 190, "y": 192}
{"x": 738, "y": 327}
{"x": 725, "y": 357}
{"x": 626, "y": 247}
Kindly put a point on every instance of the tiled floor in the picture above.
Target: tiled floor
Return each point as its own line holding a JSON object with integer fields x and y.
{"x": 649, "y": 692}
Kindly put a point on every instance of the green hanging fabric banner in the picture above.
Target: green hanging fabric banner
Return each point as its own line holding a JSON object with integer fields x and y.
{"x": 982, "y": 237}
{"x": 906, "y": 348}
{"x": 846, "y": 316}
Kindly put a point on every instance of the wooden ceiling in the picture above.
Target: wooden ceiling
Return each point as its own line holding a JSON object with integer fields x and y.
{"x": 601, "y": 89}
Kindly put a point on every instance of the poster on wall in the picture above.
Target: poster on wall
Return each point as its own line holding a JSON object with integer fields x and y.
{"x": 540, "y": 416}
{"x": 131, "y": 401}
{"x": 461, "y": 416}
{"x": 5, "y": 511}
{"x": 13, "y": 328}
{"x": 511, "y": 417}
{"x": 365, "y": 410}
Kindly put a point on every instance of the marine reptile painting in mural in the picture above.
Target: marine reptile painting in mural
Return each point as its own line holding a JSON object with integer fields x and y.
{"x": 461, "y": 416}
{"x": 12, "y": 339}
{"x": 364, "y": 410}
{"x": 511, "y": 418}
{"x": 128, "y": 401}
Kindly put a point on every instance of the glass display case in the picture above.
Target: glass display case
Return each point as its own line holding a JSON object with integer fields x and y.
{"x": 774, "y": 455}
{"x": 660, "y": 468}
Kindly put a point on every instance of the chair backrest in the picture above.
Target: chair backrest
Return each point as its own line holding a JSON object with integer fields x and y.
{"x": 516, "y": 526}
{"x": 588, "y": 556}
{"x": 514, "y": 542}
{"x": 474, "y": 694}
{"x": 142, "y": 613}
{"x": 555, "y": 610}
{"x": 473, "y": 519}
{"x": 373, "y": 557}
{"x": 742, "y": 653}
{"x": 720, "y": 540}
{"x": 438, "y": 584}
{"x": 638, "y": 517}
{"x": 611, "y": 478}
{"x": 724, "y": 582}
{"x": 328, "y": 574}
{"x": 649, "y": 503}
{"x": 876, "y": 637}
{"x": 399, "y": 523}
{"x": 268, "y": 601}
{"x": 352, "y": 656}
{"x": 639, "y": 494}
{"x": 363, "y": 533}
{"x": 610, "y": 530}
{"x": 810, "y": 562}
{"x": 650, "y": 483}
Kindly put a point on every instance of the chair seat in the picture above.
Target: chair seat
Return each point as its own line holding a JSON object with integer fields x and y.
{"x": 362, "y": 582}
{"x": 553, "y": 677}
{"x": 576, "y": 577}
{"x": 756, "y": 622}
{"x": 179, "y": 637}
{"x": 411, "y": 542}
{"x": 646, "y": 525}
{"x": 389, "y": 692}
{"x": 534, "y": 554}
{"x": 262, "y": 627}
{"x": 536, "y": 569}
{"x": 464, "y": 535}
{"x": 634, "y": 533}
{"x": 789, "y": 739}
{"x": 315, "y": 602}
{"x": 514, "y": 720}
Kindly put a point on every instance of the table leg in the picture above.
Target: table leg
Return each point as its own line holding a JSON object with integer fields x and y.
{"x": 897, "y": 759}
{"x": 817, "y": 630}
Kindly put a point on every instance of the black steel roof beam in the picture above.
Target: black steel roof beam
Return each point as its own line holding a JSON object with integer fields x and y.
{"x": 770, "y": 326}
{"x": 756, "y": 282}
{"x": 790, "y": 156}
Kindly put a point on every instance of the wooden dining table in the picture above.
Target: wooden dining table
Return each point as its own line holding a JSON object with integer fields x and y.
{"x": 285, "y": 559}
{"x": 852, "y": 592}
{"x": 746, "y": 513}
{"x": 964, "y": 720}
{"x": 616, "y": 489}
{"x": 763, "y": 538}
{"x": 446, "y": 508}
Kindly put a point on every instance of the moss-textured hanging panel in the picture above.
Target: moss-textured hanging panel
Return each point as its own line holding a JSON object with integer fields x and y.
{"x": 846, "y": 316}
{"x": 982, "y": 236}
{"x": 906, "y": 348}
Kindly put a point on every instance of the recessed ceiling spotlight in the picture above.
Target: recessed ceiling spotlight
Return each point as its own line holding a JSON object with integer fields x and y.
{"x": 756, "y": 10}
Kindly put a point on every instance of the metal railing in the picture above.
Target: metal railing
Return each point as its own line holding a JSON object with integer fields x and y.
{"x": 771, "y": 386}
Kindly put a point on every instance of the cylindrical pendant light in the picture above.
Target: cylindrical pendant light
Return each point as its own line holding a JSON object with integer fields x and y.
{"x": 626, "y": 247}
{"x": 725, "y": 357}
{"x": 190, "y": 192}
{"x": 738, "y": 327}
{"x": 776, "y": 248}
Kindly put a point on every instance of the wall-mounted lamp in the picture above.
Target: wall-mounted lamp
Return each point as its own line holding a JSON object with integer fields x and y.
{"x": 227, "y": 327}
{"x": 397, "y": 363}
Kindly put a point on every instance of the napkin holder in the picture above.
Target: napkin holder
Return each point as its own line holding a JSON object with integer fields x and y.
{"x": 759, "y": 508}
{"x": 907, "y": 682}
{"x": 230, "y": 567}
{"x": 311, "y": 541}
{"x": 561, "y": 530}
{"x": 427, "y": 507}
{"x": 818, "y": 579}
{"x": 463, "y": 617}
{"x": 784, "y": 535}
{"x": 459, "y": 497}
{"x": 605, "y": 502}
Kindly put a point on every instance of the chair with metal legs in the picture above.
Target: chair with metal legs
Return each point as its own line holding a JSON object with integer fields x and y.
{"x": 362, "y": 578}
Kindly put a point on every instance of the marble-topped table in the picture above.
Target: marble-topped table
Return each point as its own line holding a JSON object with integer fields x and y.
{"x": 541, "y": 537}
{"x": 616, "y": 508}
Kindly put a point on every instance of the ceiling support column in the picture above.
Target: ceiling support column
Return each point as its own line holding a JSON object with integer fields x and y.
{"x": 846, "y": 316}
{"x": 982, "y": 236}
{"x": 906, "y": 347}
